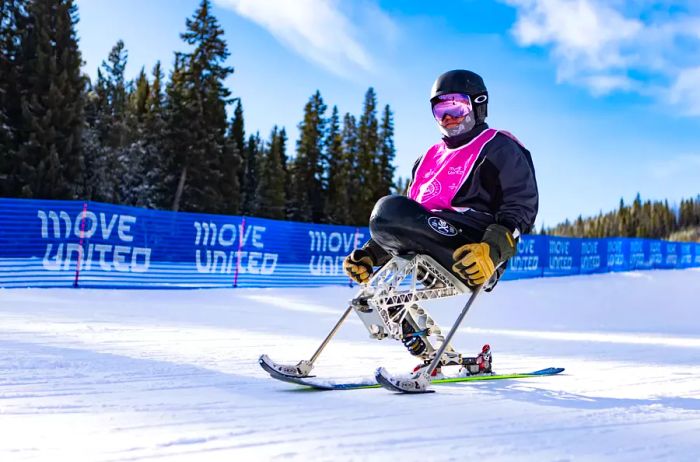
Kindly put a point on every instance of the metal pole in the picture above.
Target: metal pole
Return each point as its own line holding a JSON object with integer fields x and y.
{"x": 330, "y": 335}
{"x": 448, "y": 339}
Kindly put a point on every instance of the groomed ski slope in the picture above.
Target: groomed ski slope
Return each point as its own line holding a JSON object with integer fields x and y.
{"x": 108, "y": 375}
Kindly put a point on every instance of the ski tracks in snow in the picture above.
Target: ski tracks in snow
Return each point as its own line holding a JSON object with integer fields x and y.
{"x": 92, "y": 375}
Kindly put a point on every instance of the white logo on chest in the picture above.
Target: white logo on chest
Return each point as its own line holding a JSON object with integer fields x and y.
{"x": 441, "y": 226}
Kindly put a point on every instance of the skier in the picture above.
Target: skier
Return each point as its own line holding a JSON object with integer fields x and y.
{"x": 471, "y": 195}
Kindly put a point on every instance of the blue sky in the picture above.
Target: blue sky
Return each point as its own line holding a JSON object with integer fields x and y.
{"x": 605, "y": 94}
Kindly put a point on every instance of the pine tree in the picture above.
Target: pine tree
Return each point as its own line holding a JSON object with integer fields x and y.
{"x": 139, "y": 157}
{"x": 368, "y": 167}
{"x": 114, "y": 130}
{"x": 254, "y": 154}
{"x": 634, "y": 228}
{"x": 655, "y": 221}
{"x": 125, "y": 139}
{"x": 13, "y": 20}
{"x": 285, "y": 161}
{"x": 339, "y": 173}
{"x": 151, "y": 133}
{"x": 178, "y": 138}
{"x": 272, "y": 182}
{"x": 669, "y": 219}
{"x": 200, "y": 108}
{"x": 387, "y": 153}
{"x": 230, "y": 178}
{"x": 52, "y": 92}
{"x": 686, "y": 216}
{"x": 308, "y": 169}
{"x": 622, "y": 219}
{"x": 132, "y": 187}
{"x": 109, "y": 173}
{"x": 645, "y": 226}
{"x": 351, "y": 148}
{"x": 92, "y": 146}
{"x": 236, "y": 167}
{"x": 694, "y": 211}
{"x": 238, "y": 126}
{"x": 138, "y": 99}
{"x": 282, "y": 138}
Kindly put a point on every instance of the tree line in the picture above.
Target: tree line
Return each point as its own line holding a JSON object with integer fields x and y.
{"x": 647, "y": 219}
{"x": 169, "y": 143}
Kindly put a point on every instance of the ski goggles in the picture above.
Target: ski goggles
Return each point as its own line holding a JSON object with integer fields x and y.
{"x": 455, "y": 105}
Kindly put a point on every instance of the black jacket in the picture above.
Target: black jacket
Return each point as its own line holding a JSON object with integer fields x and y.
{"x": 501, "y": 187}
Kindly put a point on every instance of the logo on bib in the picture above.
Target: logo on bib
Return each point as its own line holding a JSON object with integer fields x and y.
{"x": 440, "y": 226}
{"x": 430, "y": 190}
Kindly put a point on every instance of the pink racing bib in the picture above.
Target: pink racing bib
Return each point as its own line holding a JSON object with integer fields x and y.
{"x": 443, "y": 171}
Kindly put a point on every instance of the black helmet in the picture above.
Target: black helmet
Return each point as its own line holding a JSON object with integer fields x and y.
{"x": 466, "y": 82}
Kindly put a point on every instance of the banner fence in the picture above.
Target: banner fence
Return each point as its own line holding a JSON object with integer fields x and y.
{"x": 90, "y": 244}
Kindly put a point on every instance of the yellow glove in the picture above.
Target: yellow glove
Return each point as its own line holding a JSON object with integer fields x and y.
{"x": 359, "y": 265}
{"x": 473, "y": 263}
{"x": 476, "y": 263}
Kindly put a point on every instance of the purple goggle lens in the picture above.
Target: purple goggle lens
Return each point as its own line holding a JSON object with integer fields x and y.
{"x": 453, "y": 104}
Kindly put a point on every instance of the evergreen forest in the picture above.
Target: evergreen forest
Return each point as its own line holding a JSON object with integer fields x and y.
{"x": 176, "y": 142}
{"x": 649, "y": 219}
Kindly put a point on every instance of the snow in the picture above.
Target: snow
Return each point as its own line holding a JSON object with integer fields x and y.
{"x": 109, "y": 375}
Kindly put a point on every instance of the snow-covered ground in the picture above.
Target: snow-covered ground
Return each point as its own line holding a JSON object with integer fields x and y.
{"x": 107, "y": 375}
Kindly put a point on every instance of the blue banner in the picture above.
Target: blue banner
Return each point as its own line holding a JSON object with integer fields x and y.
{"x": 640, "y": 254}
{"x": 594, "y": 256}
{"x": 669, "y": 255}
{"x": 685, "y": 255}
{"x": 528, "y": 262}
{"x": 618, "y": 254}
{"x": 89, "y": 244}
{"x": 564, "y": 257}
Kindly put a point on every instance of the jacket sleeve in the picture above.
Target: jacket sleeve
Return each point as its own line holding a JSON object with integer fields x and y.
{"x": 378, "y": 254}
{"x": 516, "y": 174}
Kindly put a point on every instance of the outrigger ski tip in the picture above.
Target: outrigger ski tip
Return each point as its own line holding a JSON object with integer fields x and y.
{"x": 302, "y": 368}
{"x": 415, "y": 384}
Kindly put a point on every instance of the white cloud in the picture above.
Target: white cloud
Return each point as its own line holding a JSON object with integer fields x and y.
{"x": 604, "y": 84}
{"x": 317, "y": 29}
{"x": 618, "y": 45}
{"x": 685, "y": 91}
{"x": 581, "y": 33}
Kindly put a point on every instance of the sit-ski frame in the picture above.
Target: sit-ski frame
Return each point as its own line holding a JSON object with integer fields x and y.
{"x": 392, "y": 296}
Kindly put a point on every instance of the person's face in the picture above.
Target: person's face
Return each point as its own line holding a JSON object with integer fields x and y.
{"x": 450, "y": 122}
